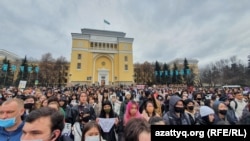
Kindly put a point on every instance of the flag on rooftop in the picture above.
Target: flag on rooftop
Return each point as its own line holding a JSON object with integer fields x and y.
{"x": 106, "y": 22}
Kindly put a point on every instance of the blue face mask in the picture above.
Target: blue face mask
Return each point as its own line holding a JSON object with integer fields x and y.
{"x": 6, "y": 123}
{"x": 92, "y": 138}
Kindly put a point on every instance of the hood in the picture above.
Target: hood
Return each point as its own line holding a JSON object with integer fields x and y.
{"x": 172, "y": 102}
{"x": 216, "y": 105}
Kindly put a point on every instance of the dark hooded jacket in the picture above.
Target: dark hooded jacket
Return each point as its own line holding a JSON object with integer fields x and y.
{"x": 231, "y": 117}
{"x": 217, "y": 120}
{"x": 171, "y": 118}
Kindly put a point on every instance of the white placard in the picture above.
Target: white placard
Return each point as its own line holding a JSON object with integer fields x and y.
{"x": 22, "y": 84}
{"x": 67, "y": 129}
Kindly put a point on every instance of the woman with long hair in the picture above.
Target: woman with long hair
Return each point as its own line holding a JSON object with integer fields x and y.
{"x": 149, "y": 110}
{"x": 108, "y": 112}
{"x": 132, "y": 111}
{"x": 91, "y": 132}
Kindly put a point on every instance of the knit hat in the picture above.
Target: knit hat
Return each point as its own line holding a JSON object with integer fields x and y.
{"x": 147, "y": 93}
{"x": 127, "y": 93}
{"x": 205, "y": 111}
{"x": 223, "y": 98}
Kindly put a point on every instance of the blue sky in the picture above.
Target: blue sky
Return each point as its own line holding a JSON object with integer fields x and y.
{"x": 207, "y": 30}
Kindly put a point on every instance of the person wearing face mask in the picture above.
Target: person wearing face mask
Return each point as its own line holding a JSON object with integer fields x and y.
{"x": 231, "y": 117}
{"x": 220, "y": 116}
{"x": 29, "y": 105}
{"x": 44, "y": 124}
{"x": 108, "y": 115}
{"x": 92, "y": 132}
{"x": 176, "y": 114}
{"x": 11, "y": 123}
{"x": 198, "y": 99}
{"x": 189, "y": 109}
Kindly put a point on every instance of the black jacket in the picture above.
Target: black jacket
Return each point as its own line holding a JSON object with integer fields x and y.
{"x": 73, "y": 114}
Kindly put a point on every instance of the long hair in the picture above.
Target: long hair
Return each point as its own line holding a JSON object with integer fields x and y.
{"x": 145, "y": 107}
{"x": 111, "y": 113}
{"x": 127, "y": 115}
{"x": 105, "y": 98}
{"x": 88, "y": 126}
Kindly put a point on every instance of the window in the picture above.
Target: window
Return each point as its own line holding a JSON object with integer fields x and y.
{"x": 91, "y": 44}
{"x": 100, "y": 44}
{"x": 103, "y": 44}
{"x": 78, "y": 65}
{"x": 126, "y": 67}
{"x": 111, "y": 45}
{"x": 95, "y": 44}
{"x": 126, "y": 58}
{"x": 89, "y": 78}
{"x": 79, "y": 56}
{"x": 115, "y": 46}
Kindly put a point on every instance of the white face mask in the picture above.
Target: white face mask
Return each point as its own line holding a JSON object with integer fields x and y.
{"x": 92, "y": 138}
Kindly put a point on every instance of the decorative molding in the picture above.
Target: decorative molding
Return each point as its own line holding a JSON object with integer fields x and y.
{"x": 103, "y": 32}
{"x": 102, "y": 39}
{"x": 126, "y": 40}
{"x": 80, "y": 36}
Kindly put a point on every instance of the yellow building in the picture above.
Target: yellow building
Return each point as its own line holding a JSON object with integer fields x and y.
{"x": 101, "y": 57}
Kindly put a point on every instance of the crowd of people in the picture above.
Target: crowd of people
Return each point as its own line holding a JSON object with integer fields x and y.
{"x": 89, "y": 113}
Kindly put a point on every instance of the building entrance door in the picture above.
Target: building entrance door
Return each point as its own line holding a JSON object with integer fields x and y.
{"x": 103, "y": 76}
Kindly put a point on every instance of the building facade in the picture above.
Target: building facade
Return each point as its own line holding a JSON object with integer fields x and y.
{"x": 101, "y": 57}
{"x": 13, "y": 59}
{"x": 192, "y": 64}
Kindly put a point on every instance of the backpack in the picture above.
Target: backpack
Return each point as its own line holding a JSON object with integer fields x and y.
{"x": 235, "y": 103}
